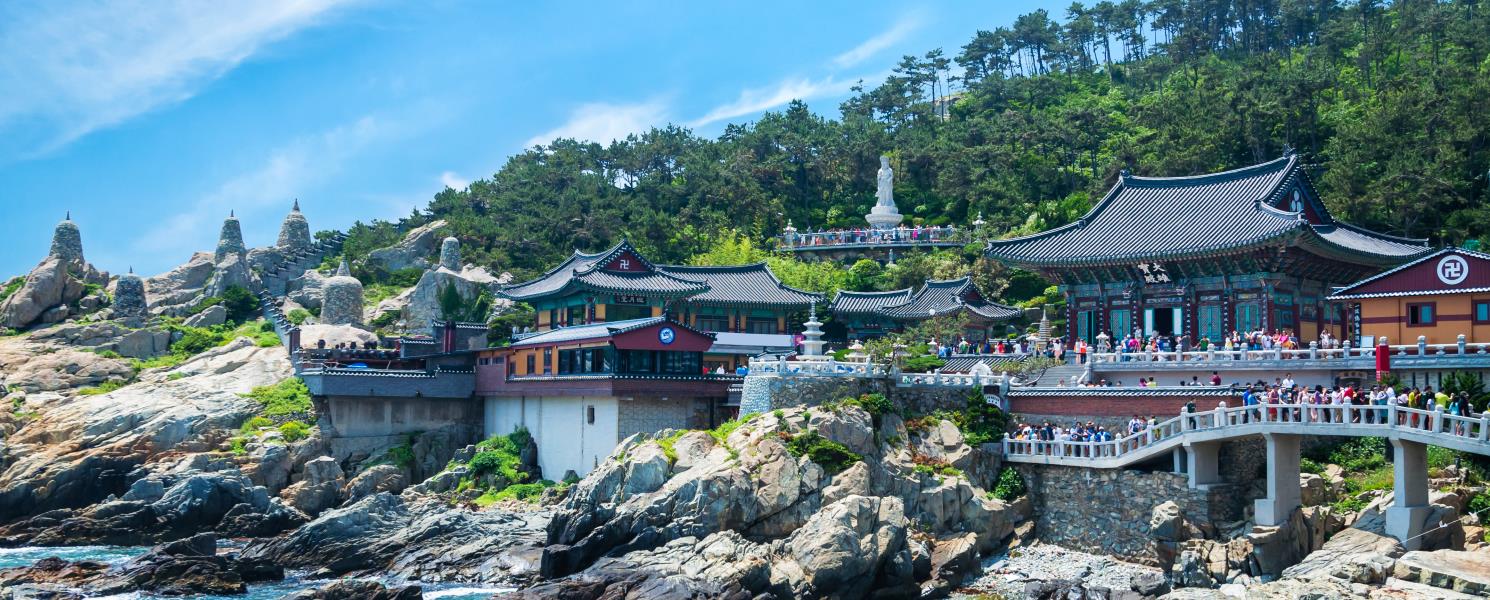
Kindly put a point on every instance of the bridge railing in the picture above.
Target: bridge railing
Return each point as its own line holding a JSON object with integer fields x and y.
{"x": 1325, "y": 417}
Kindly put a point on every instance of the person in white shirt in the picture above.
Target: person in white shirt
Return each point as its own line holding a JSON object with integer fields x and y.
{"x": 1287, "y": 382}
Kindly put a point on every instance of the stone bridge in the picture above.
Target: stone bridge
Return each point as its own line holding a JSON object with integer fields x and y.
{"x": 1193, "y": 441}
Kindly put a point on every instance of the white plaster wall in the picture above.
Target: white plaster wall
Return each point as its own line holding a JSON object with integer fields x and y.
{"x": 1169, "y": 378}
{"x": 565, "y": 437}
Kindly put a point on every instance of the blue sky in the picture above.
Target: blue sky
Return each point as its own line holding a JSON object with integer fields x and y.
{"x": 151, "y": 120}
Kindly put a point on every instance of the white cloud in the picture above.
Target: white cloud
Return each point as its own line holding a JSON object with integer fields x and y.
{"x": 879, "y": 43}
{"x": 603, "y": 122}
{"x": 453, "y": 181}
{"x": 72, "y": 69}
{"x": 268, "y": 188}
{"x": 752, "y": 101}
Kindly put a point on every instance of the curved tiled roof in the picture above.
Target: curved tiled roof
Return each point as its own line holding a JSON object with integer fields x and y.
{"x": 596, "y": 331}
{"x": 742, "y": 284}
{"x": 867, "y": 303}
{"x": 583, "y": 271}
{"x": 940, "y": 297}
{"x": 1173, "y": 217}
{"x": 996, "y": 362}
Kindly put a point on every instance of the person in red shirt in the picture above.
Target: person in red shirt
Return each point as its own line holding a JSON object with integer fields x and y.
{"x": 1215, "y": 378}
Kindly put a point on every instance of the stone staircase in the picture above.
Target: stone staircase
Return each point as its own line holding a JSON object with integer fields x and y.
{"x": 278, "y": 276}
{"x": 1053, "y": 376}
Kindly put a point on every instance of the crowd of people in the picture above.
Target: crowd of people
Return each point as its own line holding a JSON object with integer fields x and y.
{"x": 1137, "y": 346}
{"x": 1323, "y": 404}
{"x": 1055, "y": 349}
{"x": 867, "y": 235}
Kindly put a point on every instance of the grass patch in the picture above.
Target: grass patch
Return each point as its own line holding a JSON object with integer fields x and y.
{"x": 667, "y": 445}
{"x": 103, "y": 388}
{"x": 294, "y": 431}
{"x": 11, "y": 287}
{"x": 1309, "y": 466}
{"x": 288, "y": 397}
{"x": 832, "y": 456}
{"x": 527, "y": 492}
{"x": 254, "y": 424}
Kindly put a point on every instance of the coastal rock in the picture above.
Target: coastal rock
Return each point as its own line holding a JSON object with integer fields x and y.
{"x": 75, "y": 454}
{"x": 189, "y": 566}
{"x": 412, "y": 252}
{"x": 320, "y": 489}
{"x": 844, "y": 551}
{"x": 358, "y": 589}
{"x": 375, "y": 479}
{"x": 38, "y": 367}
{"x": 752, "y": 485}
{"x": 417, "y": 538}
{"x": 1464, "y": 572}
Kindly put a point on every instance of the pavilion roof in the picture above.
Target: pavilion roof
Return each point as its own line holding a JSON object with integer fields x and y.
{"x": 743, "y": 284}
{"x": 594, "y": 272}
{"x": 867, "y": 303}
{"x": 1166, "y": 218}
{"x": 946, "y": 296}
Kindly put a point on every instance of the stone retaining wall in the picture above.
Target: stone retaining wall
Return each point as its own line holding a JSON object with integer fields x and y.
{"x": 1108, "y": 511}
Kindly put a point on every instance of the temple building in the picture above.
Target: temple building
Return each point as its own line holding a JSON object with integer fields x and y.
{"x": 592, "y": 385}
{"x": 1248, "y": 249}
{"x": 745, "y": 306}
{"x": 1437, "y": 297}
{"x": 872, "y": 314}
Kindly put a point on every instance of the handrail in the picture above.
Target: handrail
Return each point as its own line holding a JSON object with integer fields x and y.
{"x": 1324, "y": 417}
{"x": 868, "y": 235}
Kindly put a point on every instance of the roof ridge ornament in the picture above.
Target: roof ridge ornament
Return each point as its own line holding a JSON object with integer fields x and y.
{"x": 1288, "y": 150}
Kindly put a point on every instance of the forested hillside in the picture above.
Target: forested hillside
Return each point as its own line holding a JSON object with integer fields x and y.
{"x": 1030, "y": 122}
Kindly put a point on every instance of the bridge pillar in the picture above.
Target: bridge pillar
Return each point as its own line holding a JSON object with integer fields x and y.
{"x": 1284, "y": 494}
{"x": 1409, "y": 493}
{"x": 1204, "y": 462}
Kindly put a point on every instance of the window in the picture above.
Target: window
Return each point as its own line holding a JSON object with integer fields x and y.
{"x": 1420, "y": 315}
{"x": 622, "y": 312}
{"x": 760, "y": 325}
{"x": 548, "y": 361}
{"x": 1482, "y": 311}
{"x": 1120, "y": 322}
{"x": 532, "y": 363}
{"x": 1282, "y": 317}
{"x": 713, "y": 323}
{"x": 590, "y": 414}
{"x": 583, "y": 361}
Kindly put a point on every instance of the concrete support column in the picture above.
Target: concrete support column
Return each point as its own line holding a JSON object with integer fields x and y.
{"x": 1203, "y": 463}
{"x": 1181, "y": 464}
{"x": 1409, "y": 492}
{"x": 1283, "y": 480}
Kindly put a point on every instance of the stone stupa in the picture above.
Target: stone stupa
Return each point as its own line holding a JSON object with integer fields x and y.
{"x": 230, "y": 240}
{"x": 884, "y": 215}
{"x": 294, "y": 233}
{"x": 341, "y": 302}
{"x": 129, "y": 297}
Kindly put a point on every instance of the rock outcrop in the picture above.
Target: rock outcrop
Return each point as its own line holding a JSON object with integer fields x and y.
{"x": 413, "y": 538}
{"x": 751, "y": 485}
{"x": 187, "y": 567}
{"x": 412, "y": 252}
{"x": 53, "y": 290}
{"x": 75, "y": 454}
{"x": 854, "y": 546}
{"x": 341, "y": 300}
{"x": 358, "y": 589}
{"x": 423, "y": 302}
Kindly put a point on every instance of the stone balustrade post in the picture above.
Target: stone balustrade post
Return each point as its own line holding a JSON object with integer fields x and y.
{"x": 1210, "y": 353}
{"x": 1462, "y": 344}
{"x": 1422, "y": 345}
{"x": 1313, "y": 350}
{"x": 1484, "y": 427}
{"x": 1438, "y": 424}
{"x": 1345, "y": 349}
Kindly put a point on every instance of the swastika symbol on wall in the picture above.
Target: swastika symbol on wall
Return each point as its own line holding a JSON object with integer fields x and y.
{"x": 1453, "y": 269}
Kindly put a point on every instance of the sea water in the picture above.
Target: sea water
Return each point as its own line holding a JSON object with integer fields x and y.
{"x": 293, "y": 581}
